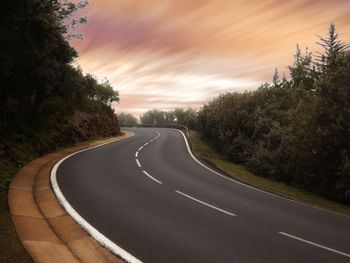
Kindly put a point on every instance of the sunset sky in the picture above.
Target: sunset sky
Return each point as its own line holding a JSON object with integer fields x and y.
{"x": 167, "y": 53}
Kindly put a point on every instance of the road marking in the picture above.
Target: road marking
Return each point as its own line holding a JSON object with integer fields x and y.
{"x": 204, "y": 203}
{"x": 103, "y": 240}
{"x": 249, "y": 186}
{"x": 154, "y": 179}
{"x": 315, "y": 244}
{"x": 145, "y": 144}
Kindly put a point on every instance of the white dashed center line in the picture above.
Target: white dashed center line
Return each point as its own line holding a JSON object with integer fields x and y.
{"x": 139, "y": 164}
{"x": 154, "y": 179}
{"x": 204, "y": 203}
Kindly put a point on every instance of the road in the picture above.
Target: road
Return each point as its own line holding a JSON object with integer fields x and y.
{"x": 151, "y": 198}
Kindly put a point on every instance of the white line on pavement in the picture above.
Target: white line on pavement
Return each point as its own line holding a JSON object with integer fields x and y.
{"x": 145, "y": 144}
{"x": 79, "y": 219}
{"x": 204, "y": 203}
{"x": 154, "y": 179}
{"x": 315, "y": 244}
{"x": 249, "y": 186}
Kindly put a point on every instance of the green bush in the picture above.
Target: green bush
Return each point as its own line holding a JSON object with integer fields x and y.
{"x": 296, "y": 131}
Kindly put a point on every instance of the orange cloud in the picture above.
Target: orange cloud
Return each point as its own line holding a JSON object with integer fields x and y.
{"x": 171, "y": 53}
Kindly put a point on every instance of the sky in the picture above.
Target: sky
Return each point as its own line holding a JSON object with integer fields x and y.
{"x": 162, "y": 54}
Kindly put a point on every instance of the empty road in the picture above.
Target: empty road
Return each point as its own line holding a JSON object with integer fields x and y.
{"x": 151, "y": 198}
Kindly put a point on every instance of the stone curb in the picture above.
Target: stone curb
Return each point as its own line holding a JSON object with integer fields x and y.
{"x": 46, "y": 231}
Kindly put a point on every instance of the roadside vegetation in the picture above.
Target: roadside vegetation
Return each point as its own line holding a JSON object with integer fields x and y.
{"x": 126, "y": 119}
{"x": 46, "y": 103}
{"x": 240, "y": 173}
{"x": 178, "y": 116}
{"x": 295, "y": 131}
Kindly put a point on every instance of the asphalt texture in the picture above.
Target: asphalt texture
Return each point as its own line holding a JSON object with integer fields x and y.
{"x": 178, "y": 211}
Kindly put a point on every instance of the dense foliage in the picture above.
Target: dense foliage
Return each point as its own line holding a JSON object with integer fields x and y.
{"x": 126, "y": 119}
{"x": 178, "y": 116}
{"x": 297, "y": 130}
{"x": 38, "y": 84}
{"x": 45, "y": 102}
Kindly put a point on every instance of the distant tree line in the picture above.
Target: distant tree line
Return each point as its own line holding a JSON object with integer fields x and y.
{"x": 178, "y": 116}
{"x": 38, "y": 84}
{"x": 296, "y": 130}
{"x": 126, "y": 119}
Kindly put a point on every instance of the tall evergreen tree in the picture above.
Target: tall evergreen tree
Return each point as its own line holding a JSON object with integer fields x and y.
{"x": 301, "y": 71}
{"x": 332, "y": 46}
{"x": 276, "y": 78}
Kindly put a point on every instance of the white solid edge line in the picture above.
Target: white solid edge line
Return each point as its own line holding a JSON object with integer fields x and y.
{"x": 204, "y": 203}
{"x": 145, "y": 144}
{"x": 136, "y": 154}
{"x": 249, "y": 186}
{"x": 138, "y": 163}
{"x": 103, "y": 240}
{"x": 154, "y": 179}
{"x": 140, "y": 148}
{"x": 315, "y": 244}
{"x": 215, "y": 172}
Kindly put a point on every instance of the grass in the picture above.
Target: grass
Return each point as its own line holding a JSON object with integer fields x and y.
{"x": 202, "y": 151}
{"x": 11, "y": 161}
{"x": 10, "y": 246}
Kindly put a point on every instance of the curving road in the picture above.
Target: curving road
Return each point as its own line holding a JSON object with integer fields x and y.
{"x": 150, "y": 197}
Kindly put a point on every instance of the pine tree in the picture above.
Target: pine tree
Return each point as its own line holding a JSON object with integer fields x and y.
{"x": 301, "y": 71}
{"x": 332, "y": 46}
{"x": 276, "y": 78}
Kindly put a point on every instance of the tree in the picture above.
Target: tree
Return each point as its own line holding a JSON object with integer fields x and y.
{"x": 105, "y": 93}
{"x": 297, "y": 130}
{"x": 65, "y": 10}
{"x": 126, "y": 119}
{"x": 178, "y": 116}
{"x": 332, "y": 46}
{"x": 301, "y": 72}
{"x": 190, "y": 118}
{"x": 37, "y": 80}
{"x": 34, "y": 55}
{"x": 153, "y": 117}
{"x": 276, "y": 78}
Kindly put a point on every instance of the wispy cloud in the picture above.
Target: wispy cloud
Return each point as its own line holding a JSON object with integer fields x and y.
{"x": 162, "y": 54}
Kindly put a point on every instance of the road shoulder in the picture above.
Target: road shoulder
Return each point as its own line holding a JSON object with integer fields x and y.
{"x": 207, "y": 155}
{"x": 46, "y": 231}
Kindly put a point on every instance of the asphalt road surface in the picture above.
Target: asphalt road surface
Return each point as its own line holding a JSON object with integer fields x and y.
{"x": 150, "y": 197}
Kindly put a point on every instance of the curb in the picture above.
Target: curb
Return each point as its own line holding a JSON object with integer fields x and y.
{"x": 44, "y": 228}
